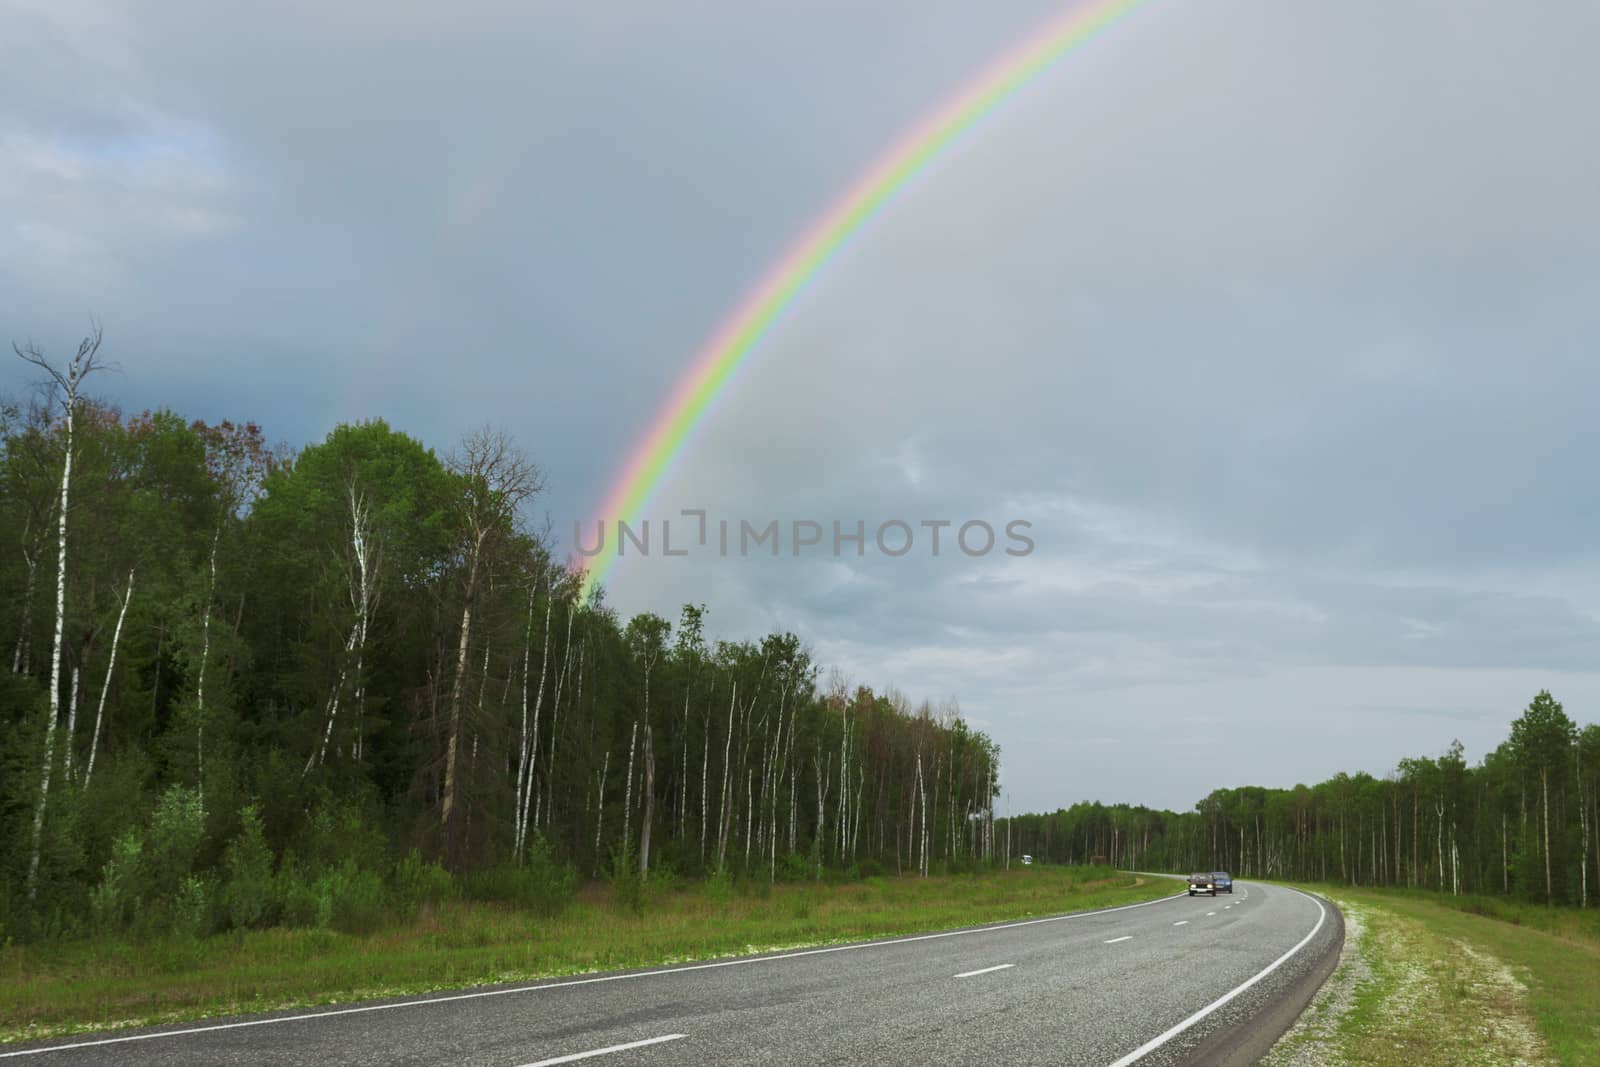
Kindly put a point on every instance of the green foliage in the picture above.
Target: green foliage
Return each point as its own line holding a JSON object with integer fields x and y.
{"x": 177, "y": 829}
{"x": 795, "y": 867}
{"x": 351, "y": 899}
{"x": 122, "y": 884}
{"x": 627, "y": 886}
{"x": 542, "y": 884}
{"x": 247, "y": 893}
{"x": 343, "y": 897}
{"x": 719, "y": 885}
{"x": 419, "y": 883}
{"x": 190, "y": 908}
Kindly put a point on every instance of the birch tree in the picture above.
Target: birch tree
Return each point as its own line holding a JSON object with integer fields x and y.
{"x": 67, "y": 381}
{"x": 497, "y": 479}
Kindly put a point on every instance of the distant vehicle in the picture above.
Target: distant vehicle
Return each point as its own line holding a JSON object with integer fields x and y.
{"x": 1222, "y": 881}
{"x": 1027, "y": 861}
{"x": 1201, "y": 882}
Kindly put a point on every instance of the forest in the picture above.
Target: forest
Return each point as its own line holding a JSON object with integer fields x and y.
{"x": 254, "y": 686}
{"x": 251, "y": 685}
{"x": 1522, "y": 823}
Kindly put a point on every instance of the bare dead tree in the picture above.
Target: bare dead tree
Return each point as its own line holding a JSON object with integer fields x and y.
{"x": 498, "y": 478}
{"x": 67, "y": 381}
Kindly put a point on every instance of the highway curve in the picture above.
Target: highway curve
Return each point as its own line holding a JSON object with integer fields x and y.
{"x": 1177, "y": 980}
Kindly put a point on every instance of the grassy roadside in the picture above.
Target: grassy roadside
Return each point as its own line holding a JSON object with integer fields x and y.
{"x": 53, "y": 989}
{"x": 1426, "y": 980}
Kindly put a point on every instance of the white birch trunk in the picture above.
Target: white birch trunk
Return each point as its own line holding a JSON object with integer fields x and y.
{"x": 111, "y": 664}
{"x": 727, "y": 754}
{"x": 649, "y": 801}
{"x": 200, "y": 683}
{"x": 72, "y": 727}
{"x": 600, "y": 805}
{"x": 627, "y": 793}
{"x": 73, "y": 374}
{"x": 530, "y": 742}
{"x": 22, "y": 654}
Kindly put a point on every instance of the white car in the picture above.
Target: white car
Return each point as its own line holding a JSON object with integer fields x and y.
{"x": 1027, "y": 861}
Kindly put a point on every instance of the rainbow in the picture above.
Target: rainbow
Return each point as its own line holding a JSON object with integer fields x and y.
{"x": 742, "y": 332}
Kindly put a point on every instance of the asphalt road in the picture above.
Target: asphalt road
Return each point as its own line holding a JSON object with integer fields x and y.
{"x": 1178, "y": 980}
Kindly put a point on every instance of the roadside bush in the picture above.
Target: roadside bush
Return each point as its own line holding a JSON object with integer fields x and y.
{"x": 176, "y": 831}
{"x": 719, "y": 886}
{"x": 795, "y": 867}
{"x": 627, "y": 887}
{"x": 247, "y": 892}
{"x": 542, "y": 884}
{"x": 190, "y": 908}
{"x": 339, "y": 832}
{"x": 419, "y": 883}
{"x": 113, "y": 901}
{"x": 296, "y": 896}
{"x": 350, "y": 899}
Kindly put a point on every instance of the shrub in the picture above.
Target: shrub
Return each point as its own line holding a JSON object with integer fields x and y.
{"x": 191, "y": 908}
{"x": 113, "y": 901}
{"x": 350, "y": 899}
{"x": 338, "y": 832}
{"x": 176, "y": 831}
{"x": 795, "y": 867}
{"x": 719, "y": 886}
{"x": 418, "y": 882}
{"x": 627, "y": 886}
{"x": 541, "y": 885}
{"x": 296, "y": 895}
{"x": 247, "y": 863}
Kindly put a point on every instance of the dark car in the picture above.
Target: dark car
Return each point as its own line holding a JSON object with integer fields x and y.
{"x": 1202, "y": 883}
{"x": 1221, "y": 882}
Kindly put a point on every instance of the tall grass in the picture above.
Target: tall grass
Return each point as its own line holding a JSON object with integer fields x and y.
{"x": 1554, "y": 951}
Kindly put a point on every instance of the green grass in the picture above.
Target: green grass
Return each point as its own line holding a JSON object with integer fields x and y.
{"x": 1423, "y": 998}
{"x": 67, "y": 987}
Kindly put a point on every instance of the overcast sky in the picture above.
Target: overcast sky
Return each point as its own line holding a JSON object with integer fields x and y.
{"x": 1278, "y": 322}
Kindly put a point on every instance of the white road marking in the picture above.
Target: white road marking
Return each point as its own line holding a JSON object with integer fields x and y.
{"x": 605, "y": 1051}
{"x": 986, "y": 970}
{"x": 1181, "y": 922}
{"x": 1162, "y": 1038}
{"x": 539, "y": 987}
{"x": 1210, "y": 913}
{"x": 1125, "y": 937}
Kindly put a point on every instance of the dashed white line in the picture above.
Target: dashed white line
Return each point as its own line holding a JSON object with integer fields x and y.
{"x": 1181, "y": 922}
{"x": 1210, "y": 913}
{"x": 608, "y": 1050}
{"x": 1125, "y": 937}
{"x": 986, "y": 970}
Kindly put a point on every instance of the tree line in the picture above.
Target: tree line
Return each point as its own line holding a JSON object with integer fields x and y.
{"x": 1523, "y": 822}
{"x": 247, "y": 682}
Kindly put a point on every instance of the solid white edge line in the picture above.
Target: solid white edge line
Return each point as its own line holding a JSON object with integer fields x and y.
{"x": 1114, "y": 940}
{"x": 1162, "y": 1038}
{"x": 740, "y": 962}
{"x": 986, "y": 970}
{"x": 608, "y": 1050}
